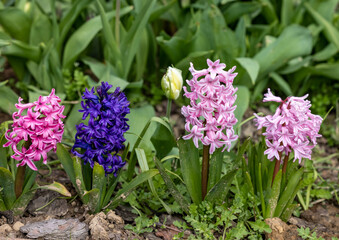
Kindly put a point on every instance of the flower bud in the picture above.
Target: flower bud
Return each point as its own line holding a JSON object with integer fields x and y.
{"x": 171, "y": 83}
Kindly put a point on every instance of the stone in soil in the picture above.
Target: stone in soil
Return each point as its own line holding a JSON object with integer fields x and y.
{"x": 56, "y": 229}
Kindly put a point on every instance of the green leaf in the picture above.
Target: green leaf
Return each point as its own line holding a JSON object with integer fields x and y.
{"x": 281, "y": 83}
{"x": 113, "y": 50}
{"x": 98, "y": 182}
{"x": 21, "y": 203}
{"x": 16, "y": 23}
{"x": 20, "y": 49}
{"x": 331, "y": 33}
{"x": 67, "y": 21}
{"x": 163, "y": 140}
{"x": 94, "y": 197}
{"x": 260, "y": 226}
{"x": 79, "y": 180}
{"x": 127, "y": 189}
{"x": 57, "y": 187}
{"x": 287, "y": 12}
{"x": 289, "y": 192}
{"x": 215, "y": 168}
{"x": 129, "y": 44}
{"x": 7, "y": 185}
{"x": 321, "y": 193}
{"x": 219, "y": 191}
{"x": 190, "y": 168}
{"x": 3, "y": 152}
{"x": 273, "y": 196}
{"x": 329, "y": 51}
{"x": 67, "y": 162}
{"x": 251, "y": 66}
{"x": 40, "y": 30}
{"x": 280, "y": 51}
{"x": 141, "y": 156}
{"x": 178, "y": 197}
{"x": 330, "y": 70}
{"x": 238, "y": 9}
{"x": 82, "y": 37}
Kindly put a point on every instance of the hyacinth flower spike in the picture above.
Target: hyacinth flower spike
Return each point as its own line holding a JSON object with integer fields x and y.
{"x": 292, "y": 128}
{"x": 39, "y": 125}
{"x": 103, "y": 137}
{"x": 210, "y": 115}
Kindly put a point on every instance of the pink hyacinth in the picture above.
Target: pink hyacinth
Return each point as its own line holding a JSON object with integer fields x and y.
{"x": 211, "y": 109}
{"x": 292, "y": 127}
{"x": 41, "y": 126}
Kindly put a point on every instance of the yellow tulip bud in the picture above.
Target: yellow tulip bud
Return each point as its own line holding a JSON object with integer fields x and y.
{"x": 171, "y": 83}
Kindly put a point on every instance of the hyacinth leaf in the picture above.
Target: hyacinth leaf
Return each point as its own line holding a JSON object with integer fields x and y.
{"x": 219, "y": 191}
{"x": 82, "y": 37}
{"x": 99, "y": 182}
{"x": 94, "y": 197}
{"x": 251, "y": 66}
{"x": 163, "y": 139}
{"x": 190, "y": 168}
{"x": 2, "y": 203}
{"x": 127, "y": 189}
{"x": 281, "y": 83}
{"x": 129, "y": 44}
{"x": 16, "y": 22}
{"x": 273, "y": 196}
{"x": 331, "y": 33}
{"x": 289, "y": 192}
{"x": 3, "y": 152}
{"x": 21, "y": 203}
{"x": 141, "y": 156}
{"x": 288, "y": 212}
{"x": 80, "y": 185}
{"x": 57, "y": 187}
{"x": 178, "y": 197}
{"x": 279, "y": 52}
{"x": 262, "y": 199}
{"x": 67, "y": 162}
{"x": 215, "y": 168}
{"x": 7, "y": 185}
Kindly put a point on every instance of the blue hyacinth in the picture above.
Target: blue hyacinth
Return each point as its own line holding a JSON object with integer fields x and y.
{"x": 103, "y": 137}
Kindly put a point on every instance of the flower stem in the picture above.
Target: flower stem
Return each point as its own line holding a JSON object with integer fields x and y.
{"x": 276, "y": 169}
{"x": 285, "y": 164}
{"x": 204, "y": 170}
{"x": 169, "y": 108}
{"x": 19, "y": 180}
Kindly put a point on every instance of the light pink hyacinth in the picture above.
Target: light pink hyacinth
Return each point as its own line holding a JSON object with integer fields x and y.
{"x": 292, "y": 127}
{"x": 210, "y": 115}
{"x": 41, "y": 125}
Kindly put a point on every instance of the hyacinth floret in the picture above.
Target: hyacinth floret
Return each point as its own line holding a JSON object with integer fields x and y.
{"x": 210, "y": 115}
{"x": 291, "y": 128}
{"x": 39, "y": 125}
{"x": 103, "y": 137}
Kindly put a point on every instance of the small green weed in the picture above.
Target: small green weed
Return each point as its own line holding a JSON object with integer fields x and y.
{"x": 143, "y": 224}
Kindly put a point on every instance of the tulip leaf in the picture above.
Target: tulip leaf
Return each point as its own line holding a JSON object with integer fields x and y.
{"x": 281, "y": 83}
{"x": 279, "y": 52}
{"x": 251, "y": 66}
{"x": 16, "y": 22}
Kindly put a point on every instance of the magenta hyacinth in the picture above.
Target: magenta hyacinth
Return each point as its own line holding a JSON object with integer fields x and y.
{"x": 210, "y": 115}
{"x": 292, "y": 127}
{"x": 41, "y": 126}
